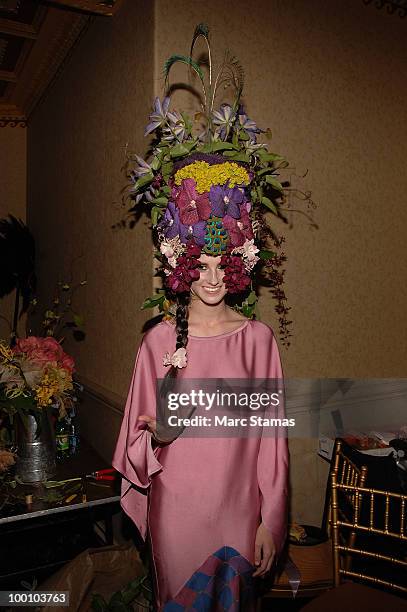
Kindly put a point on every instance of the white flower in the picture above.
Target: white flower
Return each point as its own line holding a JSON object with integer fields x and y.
{"x": 250, "y": 250}
{"x": 178, "y": 359}
{"x": 167, "y": 250}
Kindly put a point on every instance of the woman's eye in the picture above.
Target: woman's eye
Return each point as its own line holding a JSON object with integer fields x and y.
{"x": 202, "y": 267}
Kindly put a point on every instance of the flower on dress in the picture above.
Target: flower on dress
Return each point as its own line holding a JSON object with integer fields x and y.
{"x": 193, "y": 206}
{"x": 226, "y": 200}
{"x": 177, "y": 359}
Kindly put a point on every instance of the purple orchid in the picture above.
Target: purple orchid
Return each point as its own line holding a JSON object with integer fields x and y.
{"x": 226, "y": 200}
{"x": 193, "y": 206}
{"x": 198, "y": 232}
{"x": 171, "y": 226}
{"x": 158, "y": 116}
{"x": 223, "y": 119}
{"x": 248, "y": 125}
{"x": 175, "y": 128}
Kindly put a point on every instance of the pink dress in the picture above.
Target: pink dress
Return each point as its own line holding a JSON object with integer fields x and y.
{"x": 197, "y": 495}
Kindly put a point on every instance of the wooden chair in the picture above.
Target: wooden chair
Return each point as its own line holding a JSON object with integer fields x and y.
{"x": 378, "y": 519}
{"x": 315, "y": 563}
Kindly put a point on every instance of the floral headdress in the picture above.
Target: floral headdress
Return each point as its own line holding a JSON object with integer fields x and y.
{"x": 208, "y": 192}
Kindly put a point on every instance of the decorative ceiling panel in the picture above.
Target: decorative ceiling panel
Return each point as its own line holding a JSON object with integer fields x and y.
{"x": 35, "y": 39}
{"x": 99, "y": 7}
{"x": 23, "y": 11}
{"x": 10, "y": 50}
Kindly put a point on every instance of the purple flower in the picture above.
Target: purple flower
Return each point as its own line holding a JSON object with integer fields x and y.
{"x": 158, "y": 116}
{"x": 198, "y": 232}
{"x": 248, "y": 124}
{"x": 226, "y": 200}
{"x": 223, "y": 119}
{"x": 171, "y": 226}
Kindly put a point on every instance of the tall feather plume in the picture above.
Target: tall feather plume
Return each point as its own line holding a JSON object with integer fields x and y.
{"x": 185, "y": 60}
{"x": 231, "y": 74}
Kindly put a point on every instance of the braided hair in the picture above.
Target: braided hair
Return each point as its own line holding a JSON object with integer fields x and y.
{"x": 181, "y": 327}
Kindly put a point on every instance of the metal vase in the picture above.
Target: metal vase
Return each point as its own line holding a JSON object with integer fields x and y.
{"x": 35, "y": 448}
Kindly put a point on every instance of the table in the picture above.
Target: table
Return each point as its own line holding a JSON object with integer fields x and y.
{"x": 36, "y": 540}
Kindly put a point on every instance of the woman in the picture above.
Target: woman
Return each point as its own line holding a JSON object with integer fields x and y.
{"x": 214, "y": 508}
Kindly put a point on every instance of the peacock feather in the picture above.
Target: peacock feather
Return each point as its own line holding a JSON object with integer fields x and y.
{"x": 216, "y": 237}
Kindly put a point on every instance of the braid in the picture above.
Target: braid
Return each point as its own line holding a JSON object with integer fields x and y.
{"x": 181, "y": 329}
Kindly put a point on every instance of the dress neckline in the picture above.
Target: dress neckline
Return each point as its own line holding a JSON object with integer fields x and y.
{"x": 230, "y": 333}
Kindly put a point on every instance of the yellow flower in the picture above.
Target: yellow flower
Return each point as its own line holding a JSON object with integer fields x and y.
{"x": 54, "y": 383}
{"x": 6, "y": 354}
{"x": 205, "y": 175}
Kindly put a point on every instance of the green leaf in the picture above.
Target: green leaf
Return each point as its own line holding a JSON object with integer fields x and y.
{"x": 166, "y": 190}
{"x": 156, "y": 163}
{"x": 268, "y": 157}
{"x": 160, "y": 200}
{"x": 237, "y": 156}
{"x": 267, "y": 202}
{"x": 264, "y": 254}
{"x": 98, "y": 603}
{"x": 243, "y": 135}
{"x": 156, "y": 213}
{"x": 252, "y": 297}
{"x": 219, "y": 145}
{"x": 274, "y": 182}
{"x": 182, "y": 148}
{"x": 153, "y": 301}
{"x": 144, "y": 180}
{"x": 78, "y": 320}
{"x": 166, "y": 169}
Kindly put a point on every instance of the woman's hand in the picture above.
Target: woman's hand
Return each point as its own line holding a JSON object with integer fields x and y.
{"x": 152, "y": 428}
{"x": 264, "y": 551}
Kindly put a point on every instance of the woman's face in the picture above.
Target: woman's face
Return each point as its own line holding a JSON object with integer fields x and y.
{"x": 210, "y": 288}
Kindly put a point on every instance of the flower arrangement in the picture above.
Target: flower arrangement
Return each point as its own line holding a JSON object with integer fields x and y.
{"x": 209, "y": 185}
{"x": 34, "y": 374}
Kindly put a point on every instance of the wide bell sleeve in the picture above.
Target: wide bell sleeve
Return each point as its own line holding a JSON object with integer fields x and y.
{"x": 134, "y": 456}
{"x": 272, "y": 463}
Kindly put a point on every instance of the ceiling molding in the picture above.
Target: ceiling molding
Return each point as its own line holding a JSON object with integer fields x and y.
{"x": 15, "y": 28}
{"x": 36, "y": 38}
{"x": 97, "y": 7}
{"x": 393, "y": 7}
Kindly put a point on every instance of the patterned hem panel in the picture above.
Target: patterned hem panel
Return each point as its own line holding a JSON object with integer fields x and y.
{"x": 224, "y": 583}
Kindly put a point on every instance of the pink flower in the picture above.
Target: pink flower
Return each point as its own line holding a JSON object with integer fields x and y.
{"x": 236, "y": 278}
{"x": 239, "y": 230}
{"x": 185, "y": 272}
{"x": 67, "y": 363}
{"x": 43, "y": 351}
{"x": 193, "y": 206}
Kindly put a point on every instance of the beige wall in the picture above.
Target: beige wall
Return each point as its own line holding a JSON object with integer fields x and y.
{"x": 329, "y": 79}
{"x": 77, "y": 141}
{"x": 13, "y": 187}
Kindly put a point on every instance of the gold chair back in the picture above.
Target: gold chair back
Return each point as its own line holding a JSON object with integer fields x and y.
{"x": 357, "y": 510}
